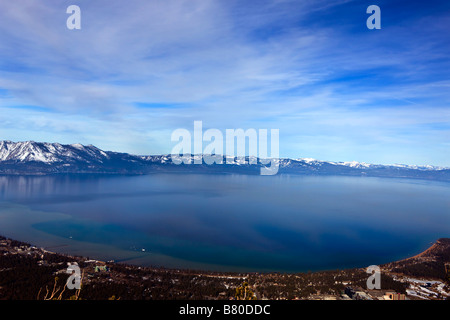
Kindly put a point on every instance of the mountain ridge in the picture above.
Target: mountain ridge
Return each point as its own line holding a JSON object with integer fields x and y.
{"x": 40, "y": 158}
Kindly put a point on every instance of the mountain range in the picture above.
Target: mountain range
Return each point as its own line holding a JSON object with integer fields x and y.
{"x": 40, "y": 158}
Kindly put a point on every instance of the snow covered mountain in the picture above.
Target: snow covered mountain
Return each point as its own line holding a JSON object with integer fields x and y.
{"x": 364, "y": 165}
{"x": 49, "y": 152}
{"x": 47, "y": 158}
{"x": 31, "y": 157}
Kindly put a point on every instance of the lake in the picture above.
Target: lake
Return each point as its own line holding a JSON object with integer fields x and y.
{"x": 227, "y": 222}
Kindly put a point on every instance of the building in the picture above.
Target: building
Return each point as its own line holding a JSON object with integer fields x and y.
{"x": 101, "y": 268}
{"x": 361, "y": 295}
{"x": 394, "y": 296}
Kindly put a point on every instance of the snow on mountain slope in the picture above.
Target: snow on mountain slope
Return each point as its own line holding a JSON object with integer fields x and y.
{"x": 49, "y": 152}
{"x": 41, "y": 157}
{"x": 364, "y": 165}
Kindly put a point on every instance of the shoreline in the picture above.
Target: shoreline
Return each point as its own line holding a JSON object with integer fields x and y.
{"x": 130, "y": 282}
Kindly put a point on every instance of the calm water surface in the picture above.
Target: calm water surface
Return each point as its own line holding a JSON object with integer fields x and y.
{"x": 227, "y": 222}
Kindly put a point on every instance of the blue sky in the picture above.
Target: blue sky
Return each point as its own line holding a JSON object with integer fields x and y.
{"x": 137, "y": 70}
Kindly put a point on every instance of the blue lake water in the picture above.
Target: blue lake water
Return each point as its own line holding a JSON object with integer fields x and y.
{"x": 227, "y": 222}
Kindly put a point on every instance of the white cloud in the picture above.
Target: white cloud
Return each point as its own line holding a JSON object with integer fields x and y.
{"x": 230, "y": 63}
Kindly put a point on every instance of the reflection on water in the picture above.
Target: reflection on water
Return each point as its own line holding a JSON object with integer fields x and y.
{"x": 229, "y": 222}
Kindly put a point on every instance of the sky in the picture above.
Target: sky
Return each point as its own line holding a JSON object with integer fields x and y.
{"x": 137, "y": 70}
